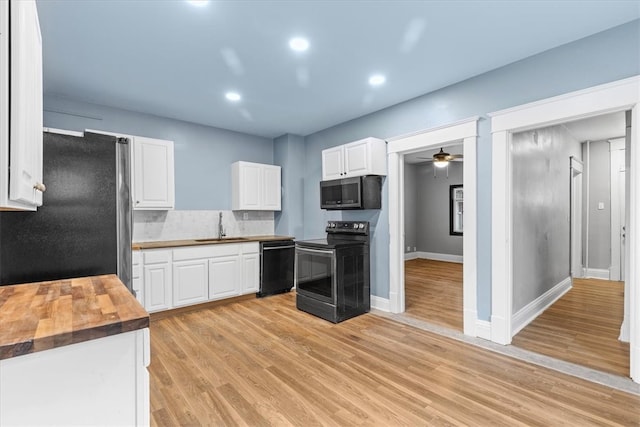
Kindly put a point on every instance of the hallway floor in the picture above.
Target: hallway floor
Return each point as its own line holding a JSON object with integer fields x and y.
{"x": 582, "y": 327}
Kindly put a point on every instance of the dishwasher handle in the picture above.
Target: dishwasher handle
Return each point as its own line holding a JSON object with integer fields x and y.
{"x": 271, "y": 248}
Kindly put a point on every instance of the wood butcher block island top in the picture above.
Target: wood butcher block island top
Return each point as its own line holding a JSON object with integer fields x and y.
{"x": 211, "y": 241}
{"x": 45, "y": 315}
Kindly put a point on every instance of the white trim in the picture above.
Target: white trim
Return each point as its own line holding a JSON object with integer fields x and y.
{"x": 620, "y": 95}
{"x": 439, "y": 257}
{"x": 63, "y": 132}
{"x": 434, "y": 130}
{"x": 607, "y": 98}
{"x": 467, "y": 131}
{"x": 408, "y": 256}
{"x": 596, "y": 273}
{"x": 536, "y": 307}
{"x": 483, "y": 329}
{"x": 379, "y": 303}
{"x": 501, "y": 250}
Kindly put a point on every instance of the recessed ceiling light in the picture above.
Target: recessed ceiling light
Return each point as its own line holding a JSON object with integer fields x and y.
{"x": 198, "y": 3}
{"x": 233, "y": 96}
{"x": 377, "y": 80}
{"x": 299, "y": 44}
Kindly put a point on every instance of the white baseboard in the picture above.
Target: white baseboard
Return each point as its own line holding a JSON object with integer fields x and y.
{"x": 434, "y": 256}
{"x": 410, "y": 255}
{"x": 380, "y": 303}
{"x": 535, "y": 308}
{"x": 596, "y": 273}
{"x": 483, "y": 329}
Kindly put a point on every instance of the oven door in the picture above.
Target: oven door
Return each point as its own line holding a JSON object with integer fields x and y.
{"x": 316, "y": 273}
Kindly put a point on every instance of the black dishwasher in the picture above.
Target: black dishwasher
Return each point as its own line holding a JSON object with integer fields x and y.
{"x": 276, "y": 267}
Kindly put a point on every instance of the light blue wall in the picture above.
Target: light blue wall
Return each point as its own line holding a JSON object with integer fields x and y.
{"x": 288, "y": 151}
{"x": 602, "y": 58}
{"x": 203, "y": 154}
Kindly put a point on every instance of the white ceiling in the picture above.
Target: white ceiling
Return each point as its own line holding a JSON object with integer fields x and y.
{"x": 173, "y": 59}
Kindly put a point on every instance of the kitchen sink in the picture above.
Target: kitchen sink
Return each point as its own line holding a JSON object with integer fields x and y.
{"x": 223, "y": 239}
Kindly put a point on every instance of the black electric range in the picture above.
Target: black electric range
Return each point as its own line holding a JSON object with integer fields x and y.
{"x": 332, "y": 274}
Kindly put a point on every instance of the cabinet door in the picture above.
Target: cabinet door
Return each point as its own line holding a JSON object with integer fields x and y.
{"x": 271, "y": 187}
{"x": 250, "y": 273}
{"x": 250, "y": 186}
{"x": 26, "y": 105}
{"x": 153, "y": 174}
{"x": 357, "y": 158}
{"x": 157, "y": 287}
{"x": 332, "y": 163}
{"x": 225, "y": 277}
{"x": 190, "y": 282}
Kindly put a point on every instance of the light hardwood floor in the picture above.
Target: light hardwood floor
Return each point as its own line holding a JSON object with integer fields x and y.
{"x": 582, "y": 327}
{"x": 433, "y": 292}
{"x": 262, "y": 362}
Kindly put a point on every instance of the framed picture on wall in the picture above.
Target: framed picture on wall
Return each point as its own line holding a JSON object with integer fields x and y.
{"x": 456, "y": 209}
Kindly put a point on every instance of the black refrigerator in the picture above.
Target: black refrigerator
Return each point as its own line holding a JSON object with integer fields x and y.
{"x": 83, "y": 227}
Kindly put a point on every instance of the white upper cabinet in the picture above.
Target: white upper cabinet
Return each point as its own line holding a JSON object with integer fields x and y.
{"x": 364, "y": 157}
{"x": 255, "y": 187}
{"x": 20, "y": 106}
{"x": 153, "y": 174}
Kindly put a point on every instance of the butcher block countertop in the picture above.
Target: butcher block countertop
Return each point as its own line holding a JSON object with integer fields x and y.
{"x": 211, "y": 241}
{"x": 45, "y": 315}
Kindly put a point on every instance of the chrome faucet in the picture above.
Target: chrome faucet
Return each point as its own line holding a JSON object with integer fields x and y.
{"x": 220, "y": 228}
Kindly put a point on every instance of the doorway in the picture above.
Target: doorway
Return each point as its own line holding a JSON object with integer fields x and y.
{"x": 466, "y": 132}
{"x": 582, "y": 324}
{"x": 617, "y": 96}
{"x": 433, "y": 230}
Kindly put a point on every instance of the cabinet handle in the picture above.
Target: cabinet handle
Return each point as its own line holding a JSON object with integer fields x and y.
{"x": 40, "y": 187}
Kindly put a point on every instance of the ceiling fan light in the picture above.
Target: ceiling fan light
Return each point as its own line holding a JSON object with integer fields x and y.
{"x": 440, "y": 163}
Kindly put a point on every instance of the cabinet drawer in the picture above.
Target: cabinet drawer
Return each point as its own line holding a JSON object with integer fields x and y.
{"x": 136, "y": 257}
{"x": 251, "y": 248}
{"x": 136, "y": 271}
{"x": 156, "y": 257}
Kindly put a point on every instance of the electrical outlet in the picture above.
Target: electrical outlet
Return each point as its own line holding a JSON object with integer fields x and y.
{"x": 415, "y": 249}
{"x": 245, "y": 216}
{"x": 408, "y": 248}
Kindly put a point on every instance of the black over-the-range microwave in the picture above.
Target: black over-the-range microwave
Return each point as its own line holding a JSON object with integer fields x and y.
{"x": 358, "y": 192}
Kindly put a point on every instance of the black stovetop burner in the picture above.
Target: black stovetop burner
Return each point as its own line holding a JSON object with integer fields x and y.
{"x": 340, "y": 234}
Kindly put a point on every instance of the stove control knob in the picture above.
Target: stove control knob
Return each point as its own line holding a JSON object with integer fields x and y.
{"x": 355, "y": 225}
{"x": 361, "y": 226}
{"x": 333, "y": 225}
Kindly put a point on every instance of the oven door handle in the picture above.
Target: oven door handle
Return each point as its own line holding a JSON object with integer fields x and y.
{"x": 317, "y": 251}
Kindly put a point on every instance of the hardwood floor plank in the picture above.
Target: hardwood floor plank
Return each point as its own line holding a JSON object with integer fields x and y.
{"x": 433, "y": 292}
{"x": 263, "y": 362}
{"x": 582, "y": 327}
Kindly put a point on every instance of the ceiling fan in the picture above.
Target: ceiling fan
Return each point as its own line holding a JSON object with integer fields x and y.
{"x": 442, "y": 158}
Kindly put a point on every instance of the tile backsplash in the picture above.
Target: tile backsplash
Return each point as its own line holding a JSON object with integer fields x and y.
{"x": 152, "y": 226}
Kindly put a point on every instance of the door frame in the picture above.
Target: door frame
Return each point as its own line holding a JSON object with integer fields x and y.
{"x": 621, "y": 95}
{"x": 618, "y": 200}
{"x": 575, "y": 240}
{"x": 467, "y": 132}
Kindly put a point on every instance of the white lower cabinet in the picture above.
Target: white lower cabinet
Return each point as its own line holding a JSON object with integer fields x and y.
{"x": 100, "y": 382}
{"x": 250, "y": 272}
{"x": 137, "y": 282}
{"x": 157, "y": 280}
{"x": 190, "y": 282}
{"x": 190, "y": 275}
{"x": 225, "y": 277}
